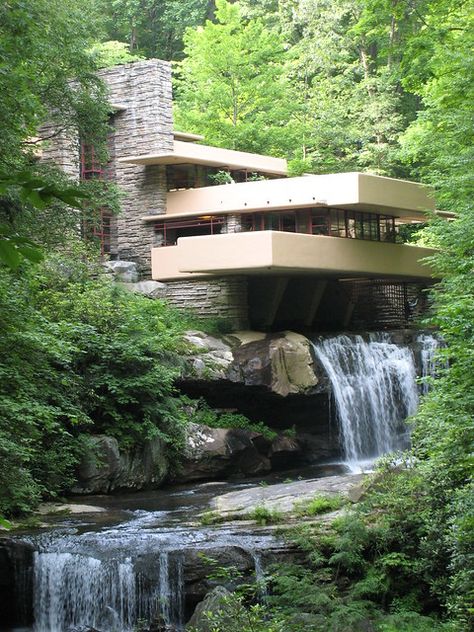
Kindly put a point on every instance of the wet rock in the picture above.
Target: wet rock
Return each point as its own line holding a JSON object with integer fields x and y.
{"x": 213, "y": 452}
{"x": 283, "y": 496}
{"x": 48, "y": 509}
{"x": 104, "y": 468}
{"x": 16, "y": 589}
{"x": 216, "y": 602}
{"x": 284, "y": 451}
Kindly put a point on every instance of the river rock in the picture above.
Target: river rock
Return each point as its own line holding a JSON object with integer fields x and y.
{"x": 214, "y": 452}
{"x": 283, "y": 496}
{"x": 104, "y": 468}
{"x": 284, "y": 451}
{"x": 217, "y": 601}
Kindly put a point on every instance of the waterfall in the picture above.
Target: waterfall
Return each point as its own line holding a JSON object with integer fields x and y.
{"x": 430, "y": 364}
{"x": 114, "y": 578}
{"x": 260, "y": 578}
{"x": 75, "y": 589}
{"x": 374, "y": 388}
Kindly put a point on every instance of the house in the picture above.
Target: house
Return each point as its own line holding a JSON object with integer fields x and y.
{"x": 262, "y": 250}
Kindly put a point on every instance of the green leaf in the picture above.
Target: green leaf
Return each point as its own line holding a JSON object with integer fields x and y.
{"x": 31, "y": 253}
{"x": 9, "y": 254}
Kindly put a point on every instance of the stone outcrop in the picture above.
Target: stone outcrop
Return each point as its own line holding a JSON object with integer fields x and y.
{"x": 283, "y": 496}
{"x": 215, "y": 602}
{"x": 219, "y": 452}
{"x": 124, "y": 271}
{"x": 151, "y": 289}
{"x": 104, "y": 468}
{"x": 283, "y": 364}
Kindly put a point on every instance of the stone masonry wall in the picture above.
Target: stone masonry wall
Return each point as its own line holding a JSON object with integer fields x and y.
{"x": 144, "y": 126}
{"x": 61, "y": 148}
{"x": 223, "y": 297}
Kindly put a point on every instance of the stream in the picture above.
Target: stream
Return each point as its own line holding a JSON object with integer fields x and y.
{"x": 146, "y": 557}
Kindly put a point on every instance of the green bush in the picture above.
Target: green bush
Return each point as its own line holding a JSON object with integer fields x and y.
{"x": 204, "y": 414}
{"x": 80, "y": 356}
{"x": 264, "y": 515}
{"x": 320, "y": 505}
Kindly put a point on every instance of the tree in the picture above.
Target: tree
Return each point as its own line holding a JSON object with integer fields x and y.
{"x": 232, "y": 87}
{"x": 46, "y": 73}
{"x": 113, "y": 53}
{"x": 154, "y": 28}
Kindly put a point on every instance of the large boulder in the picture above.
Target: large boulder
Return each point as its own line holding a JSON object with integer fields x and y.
{"x": 281, "y": 364}
{"x": 216, "y": 602}
{"x": 124, "y": 271}
{"x": 284, "y": 497}
{"x": 104, "y": 468}
{"x": 213, "y": 452}
{"x": 210, "y": 358}
{"x": 151, "y": 289}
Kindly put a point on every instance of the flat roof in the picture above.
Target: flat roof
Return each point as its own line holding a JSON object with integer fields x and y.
{"x": 191, "y": 153}
{"x": 186, "y": 137}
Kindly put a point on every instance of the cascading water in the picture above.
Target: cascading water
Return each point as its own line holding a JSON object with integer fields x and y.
{"x": 429, "y": 362}
{"x": 111, "y": 580}
{"x": 103, "y": 588}
{"x": 374, "y": 388}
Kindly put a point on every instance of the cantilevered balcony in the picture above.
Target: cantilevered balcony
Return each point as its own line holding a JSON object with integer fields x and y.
{"x": 281, "y": 253}
{"x": 352, "y": 191}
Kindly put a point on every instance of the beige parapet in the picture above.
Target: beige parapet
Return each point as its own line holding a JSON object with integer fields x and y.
{"x": 271, "y": 252}
{"x": 353, "y": 191}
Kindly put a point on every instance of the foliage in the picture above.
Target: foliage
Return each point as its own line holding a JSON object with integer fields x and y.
{"x": 202, "y": 413}
{"x": 232, "y": 86}
{"x": 221, "y": 177}
{"x": 210, "y": 517}
{"x": 264, "y": 515}
{"x": 153, "y": 28}
{"x": 43, "y": 48}
{"x": 319, "y": 505}
{"x": 83, "y": 356}
{"x": 113, "y": 53}
{"x": 30, "y": 190}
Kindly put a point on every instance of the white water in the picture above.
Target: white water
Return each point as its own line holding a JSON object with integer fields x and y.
{"x": 112, "y": 579}
{"x": 76, "y": 590}
{"x": 430, "y": 363}
{"x": 135, "y": 571}
{"x": 374, "y": 388}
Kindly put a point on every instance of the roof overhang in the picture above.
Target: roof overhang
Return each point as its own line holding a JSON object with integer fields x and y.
{"x": 190, "y": 153}
{"x": 187, "y": 137}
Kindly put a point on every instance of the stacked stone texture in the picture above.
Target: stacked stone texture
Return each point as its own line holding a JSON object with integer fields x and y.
{"x": 233, "y": 224}
{"x": 61, "y": 147}
{"x": 224, "y": 297}
{"x": 144, "y": 127}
